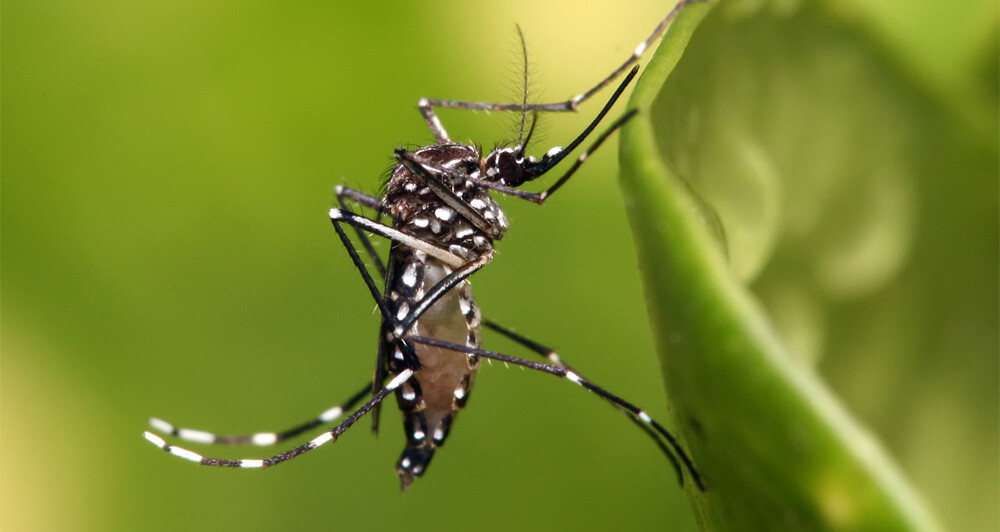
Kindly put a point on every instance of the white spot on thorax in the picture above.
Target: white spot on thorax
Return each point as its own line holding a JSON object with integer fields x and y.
{"x": 444, "y": 213}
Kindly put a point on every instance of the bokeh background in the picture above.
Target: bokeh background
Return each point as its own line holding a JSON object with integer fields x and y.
{"x": 166, "y": 172}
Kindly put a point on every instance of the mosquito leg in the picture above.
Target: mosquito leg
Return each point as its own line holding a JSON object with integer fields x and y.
{"x": 575, "y": 378}
{"x": 447, "y": 257}
{"x": 343, "y": 194}
{"x": 553, "y": 357}
{"x": 359, "y": 197}
{"x": 427, "y": 105}
{"x": 336, "y": 215}
{"x": 328, "y": 436}
{"x": 260, "y": 438}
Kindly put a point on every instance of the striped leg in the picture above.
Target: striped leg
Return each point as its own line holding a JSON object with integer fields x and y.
{"x": 572, "y": 376}
{"x": 253, "y": 463}
{"x": 427, "y": 106}
{"x": 259, "y": 438}
{"x": 553, "y": 357}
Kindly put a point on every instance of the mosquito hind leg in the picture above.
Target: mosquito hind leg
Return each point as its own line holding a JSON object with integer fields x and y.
{"x": 259, "y": 438}
{"x": 253, "y": 463}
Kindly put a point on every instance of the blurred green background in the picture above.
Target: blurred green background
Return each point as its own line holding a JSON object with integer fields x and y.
{"x": 167, "y": 169}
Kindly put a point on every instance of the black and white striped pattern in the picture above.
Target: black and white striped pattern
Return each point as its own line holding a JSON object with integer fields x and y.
{"x": 443, "y": 227}
{"x": 255, "y": 463}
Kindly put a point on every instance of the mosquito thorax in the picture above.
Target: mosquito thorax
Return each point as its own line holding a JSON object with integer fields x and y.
{"x": 420, "y": 211}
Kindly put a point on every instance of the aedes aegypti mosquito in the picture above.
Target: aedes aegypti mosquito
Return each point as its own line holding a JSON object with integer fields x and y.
{"x": 444, "y": 223}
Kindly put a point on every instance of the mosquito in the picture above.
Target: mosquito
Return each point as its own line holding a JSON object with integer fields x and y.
{"x": 444, "y": 224}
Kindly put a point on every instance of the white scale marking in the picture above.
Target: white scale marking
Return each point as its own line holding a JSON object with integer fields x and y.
{"x": 185, "y": 454}
{"x": 251, "y": 464}
{"x": 409, "y": 394}
{"x": 477, "y": 203}
{"x": 398, "y": 236}
{"x": 321, "y": 439}
{"x": 161, "y": 425}
{"x": 459, "y": 393}
{"x": 418, "y": 435}
{"x": 421, "y": 222}
{"x": 645, "y": 417}
{"x": 400, "y": 379}
{"x": 154, "y": 439}
{"x": 464, "y": 232}
{"x": 639, "y": 49}
{"x": 574, "y": 377}
{"x": 264, "y": 438}
{"x": 438, "y": 434}
{"x": 410, "y": 276}
{"x": 331, "y": 414}
{"x": 198, "y": 436}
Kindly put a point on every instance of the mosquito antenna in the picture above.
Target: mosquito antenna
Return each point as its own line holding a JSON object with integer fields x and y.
{"x": 524, "y": 88}
{"x": 531, "y": 129}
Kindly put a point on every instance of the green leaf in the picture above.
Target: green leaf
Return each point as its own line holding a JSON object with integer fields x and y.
{"x": 771, "y": 180}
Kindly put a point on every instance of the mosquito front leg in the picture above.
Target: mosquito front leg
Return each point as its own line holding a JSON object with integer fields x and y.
{"x": 427, "y": 105}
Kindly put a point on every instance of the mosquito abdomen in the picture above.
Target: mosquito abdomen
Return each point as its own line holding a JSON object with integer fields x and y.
{"x": 432, "y": 398}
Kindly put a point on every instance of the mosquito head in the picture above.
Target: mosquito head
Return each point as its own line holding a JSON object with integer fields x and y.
{"x": 510, "y": 167}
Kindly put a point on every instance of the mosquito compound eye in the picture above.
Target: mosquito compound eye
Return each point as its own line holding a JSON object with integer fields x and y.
{"x": 506, "y": 167}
